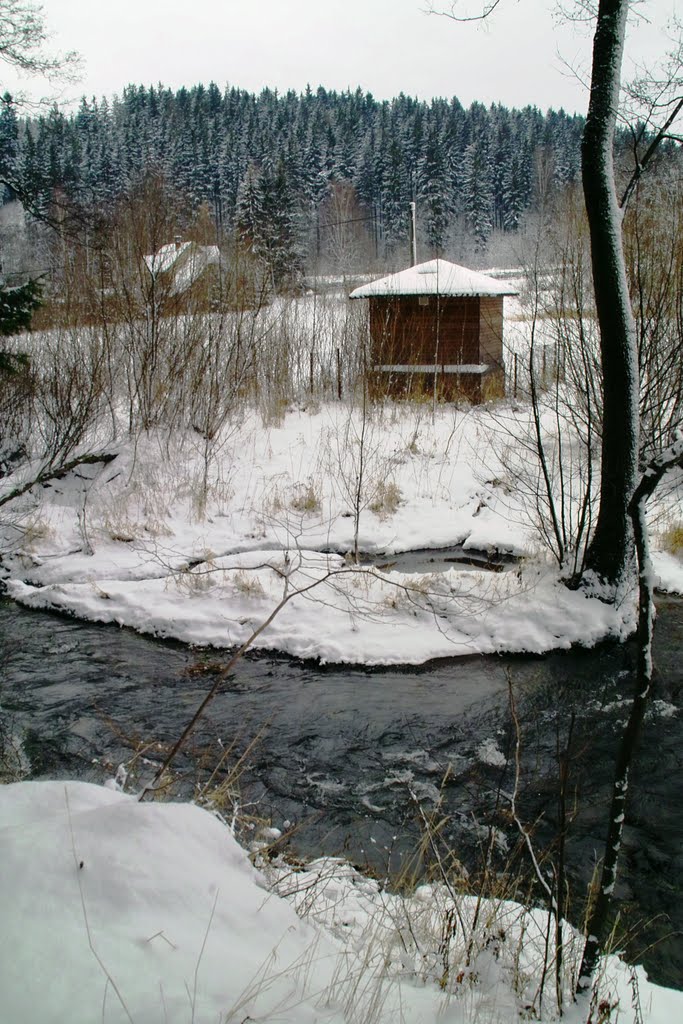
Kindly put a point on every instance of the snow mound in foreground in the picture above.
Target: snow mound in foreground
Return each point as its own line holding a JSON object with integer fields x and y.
{"x": 179, "y": 926}
{"x": 118, "y": 911}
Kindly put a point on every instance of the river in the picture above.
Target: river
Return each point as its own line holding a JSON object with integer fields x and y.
{"x": 351, "y": 760}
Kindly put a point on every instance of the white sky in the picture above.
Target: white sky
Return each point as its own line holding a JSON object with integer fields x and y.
{"x": 383, "y": 46}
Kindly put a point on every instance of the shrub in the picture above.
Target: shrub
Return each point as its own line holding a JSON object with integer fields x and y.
{"x": 305, "y": 499}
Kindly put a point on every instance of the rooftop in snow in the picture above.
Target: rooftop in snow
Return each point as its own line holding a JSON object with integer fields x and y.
{"x": 436, "y": 277}
{"x": 186, "y": 261}
{"x": 164, "y": 258}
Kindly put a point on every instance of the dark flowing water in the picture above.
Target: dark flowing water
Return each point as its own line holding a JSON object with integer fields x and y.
{"x": 348, "y": 754}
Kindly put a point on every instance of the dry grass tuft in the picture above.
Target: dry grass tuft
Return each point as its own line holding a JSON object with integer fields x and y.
{"x": 306, "y": 499}
{"x": 387, "y": 499}
{"x": 248, "y": 584}
{"x": 672, "y": 539}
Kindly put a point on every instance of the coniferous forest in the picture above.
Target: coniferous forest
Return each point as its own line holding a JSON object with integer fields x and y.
{"x": 287, "y": 172}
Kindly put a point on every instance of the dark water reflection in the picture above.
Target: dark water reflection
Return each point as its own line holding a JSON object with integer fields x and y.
{"x": 345, "y": 753}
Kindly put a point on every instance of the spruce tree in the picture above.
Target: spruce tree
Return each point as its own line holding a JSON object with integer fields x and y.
{"x": 478, "y": 192}
{"x": 17, "y": 306}
{"x": 9, "y": 146}
{"x": 477, "y": 161}
{"x": 436, "y": 192}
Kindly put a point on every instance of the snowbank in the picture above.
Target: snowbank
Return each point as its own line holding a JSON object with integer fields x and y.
{"x": 341, "y": 613}
{"x": 160, "y": 541}
{"x": 117, "y": 911}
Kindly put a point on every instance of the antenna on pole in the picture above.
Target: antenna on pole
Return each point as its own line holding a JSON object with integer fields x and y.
{"x": 413, "y": 237}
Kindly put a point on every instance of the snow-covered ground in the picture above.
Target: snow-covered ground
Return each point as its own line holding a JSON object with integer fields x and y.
{"x": 146, "y": 541}
{"x": 134, "y": 542}
{"x": 120, "y": 911}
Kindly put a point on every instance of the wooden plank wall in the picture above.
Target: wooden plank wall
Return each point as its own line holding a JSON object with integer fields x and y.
{"x": 491, "y": 331}
{"x": 404, "y": 332}
{"x": 470, "y": 331}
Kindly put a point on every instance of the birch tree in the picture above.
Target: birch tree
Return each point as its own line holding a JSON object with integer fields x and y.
{"x": 620, "y": 540}
{"x": 610, "y": 557}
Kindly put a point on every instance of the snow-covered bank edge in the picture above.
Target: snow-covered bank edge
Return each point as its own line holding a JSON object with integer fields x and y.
{"x": 163, "y": 542}
{"x": 344, "y": 614}
{"x": 122, "y": 911}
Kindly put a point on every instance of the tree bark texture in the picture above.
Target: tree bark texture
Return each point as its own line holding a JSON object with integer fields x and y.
{"x": 597, "y": 925}
{"x": 610, "y": 553}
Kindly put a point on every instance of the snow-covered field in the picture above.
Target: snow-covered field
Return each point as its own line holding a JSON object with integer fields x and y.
{"x": 120, "y": 911}
{"x": 169, "y": 543}
{"x": 115, "y": 910}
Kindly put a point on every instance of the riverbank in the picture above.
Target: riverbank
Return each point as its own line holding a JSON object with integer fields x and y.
{"x": 152, "y": 912}
{"x": 164, "y": 542}
{"x": 338, "y": 758}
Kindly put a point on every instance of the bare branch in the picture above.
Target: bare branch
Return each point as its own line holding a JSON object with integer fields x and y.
{"x": 642, "y": 163}
{"x": 596, "y": 924}
{"x": 54, "y": 471}
{"x": 23, "y": 35}
{"x": 487, "y": 9}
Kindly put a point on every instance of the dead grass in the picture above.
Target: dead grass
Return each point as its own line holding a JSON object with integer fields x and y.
{"x": 306, "y": 499}
{"x": 248, "y": 585}
{"x": 387, "y": 499}
{"x": 672, "y": 539}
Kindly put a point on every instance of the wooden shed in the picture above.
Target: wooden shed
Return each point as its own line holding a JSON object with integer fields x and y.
{"x": 437, "y": 328}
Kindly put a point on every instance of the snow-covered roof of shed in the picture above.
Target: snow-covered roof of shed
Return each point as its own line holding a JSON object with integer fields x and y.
{"x": 164, "y": 258}
{"x": 436, "y": 277}
{"x": 195, "y": 259}
{"x": 200, "y": 257}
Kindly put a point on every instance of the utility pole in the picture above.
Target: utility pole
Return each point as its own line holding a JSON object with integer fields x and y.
{"x": 413, "y": 237}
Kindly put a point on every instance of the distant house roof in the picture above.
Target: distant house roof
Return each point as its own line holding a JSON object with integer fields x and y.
{"x": 164, "y": 258}
{"x": 436, "y": 277}
{"x": 186, "y": 261}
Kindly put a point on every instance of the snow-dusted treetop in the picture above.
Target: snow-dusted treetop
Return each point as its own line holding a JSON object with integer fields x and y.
{"x": 436, "y": 277}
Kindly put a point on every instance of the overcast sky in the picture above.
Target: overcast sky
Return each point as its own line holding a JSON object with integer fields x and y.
{"x": 520, "y": 56}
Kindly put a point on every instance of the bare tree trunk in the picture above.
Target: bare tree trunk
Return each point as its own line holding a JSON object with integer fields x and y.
{"x": 596, "y": 927}
{"x": 611, "y": 548}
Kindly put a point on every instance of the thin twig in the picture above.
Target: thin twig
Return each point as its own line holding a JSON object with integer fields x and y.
{"x": 79, "y": 866}
{"x": 201, "y": 954}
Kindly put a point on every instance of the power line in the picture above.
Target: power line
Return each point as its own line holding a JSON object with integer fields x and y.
{"x": 351, "y": 220}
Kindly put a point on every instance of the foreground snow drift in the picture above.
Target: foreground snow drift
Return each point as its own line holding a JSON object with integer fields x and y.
{"x": 118, "y": 911}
